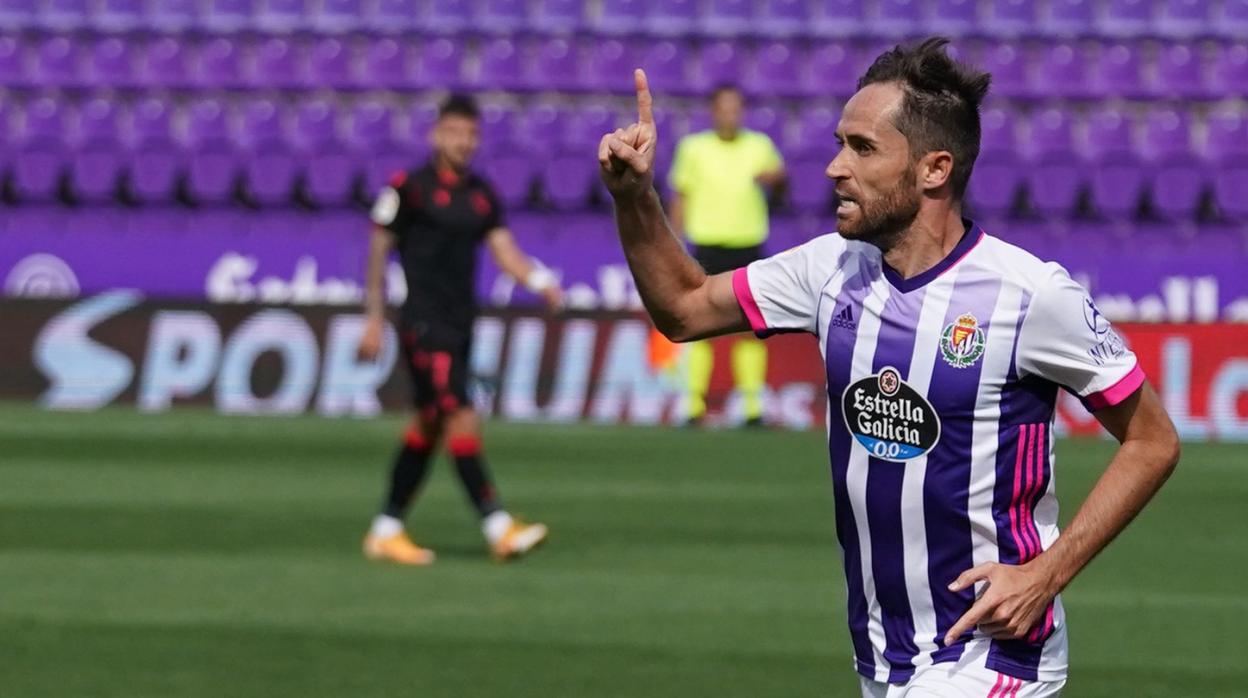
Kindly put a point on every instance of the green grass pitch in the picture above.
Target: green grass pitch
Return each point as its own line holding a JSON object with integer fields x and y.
{"x": 189, "y": 554}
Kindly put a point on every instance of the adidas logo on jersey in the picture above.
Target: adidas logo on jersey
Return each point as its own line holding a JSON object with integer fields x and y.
{"x": 845, "y": 319}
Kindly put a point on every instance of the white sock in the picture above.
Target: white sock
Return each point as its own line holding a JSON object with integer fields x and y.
{"x": 386, "y": 526}
{"x": 495, "y": 526}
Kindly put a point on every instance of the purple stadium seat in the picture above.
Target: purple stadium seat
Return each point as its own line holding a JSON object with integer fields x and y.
{"x": 1126, "y": 18}
{"x": 386, "y": 65}
{"x": 767, "y": 119}
{"x": 173, "y": 15}
{"x": 815, "y": 132}
{"x": 282, "y": 16}
{"x": 1184, "y": 19}
{"x": 1062, "y": 71}
{"x": 41, "y": 153}
{"x": 1118, "y": 72}
{"x": 1008, "y": 64}
{"x": 779, "y": 69}
{"x": 666, "y": 65}
{"x": 441, "y": 64}
{"x": 672, "y": 18}
{"x": 1168, "y": 146}
{"x": 1233, "y": 19}
{"x": 543, "y": 123}
{"x": 165, "y": 64}
{"x": 219, "y": 65}
{"x": 498, "y": 126}
{"x": 720, "y": 62}
{"x": 271, "y": 165}
{"x": 97, "y": 163}
{"x": 13, "y": 60}
{"x": 810, "y": 190}
{"x": 156, "y": 160}
{"x": 997, "y": 176}
{"x": 1056, "y": 175}
{"x": 610, "y": 66}
{"x": 568, "y": 177}
{"x": 65, "y": 15}
{"x": 330, "y": 64}
{"x": 278, "y": 64}
{"x": 448, "y": 15}
{"x": 557, "y": 66}
{"x": 1179, "y": 72}
{"x": 832, "y": 71}
{"x": 228, "y": 15}
{"x": 728, "y": 18}
{"x": 213, "y": 169}
{"x": 1229, "y": 74}
{"x": 1227, "y": 150}
{"x": 421, "y": 119}
{"x": 372, "y": 139}
{"x": 328, "y": 164}
{"x": 784, "y": 18}
{"x": 621, "y": 16}
{"x": 111, "y": 63}
{"x": 953, "y": 17}
{"x": 1117, "y": 172}
{"x": 502, "y": 65}
{"x": 18, "y": 14}
{"x": 511, "y": 171}
{"x": 587, "y": 126}
{"x": 558, "y": 16}
{"x": 119, "y": 15}
{"x": 56, "y": 62}
{"x": 840, "y": 19}
{"x": 503, "y": 16}
{"x": 897, "y": 18}
{"x": 392, "y": 16}
{"x": 1008, "y": 18}
{"x": 338, "y": 16}
{"x": 1069, "y": 18}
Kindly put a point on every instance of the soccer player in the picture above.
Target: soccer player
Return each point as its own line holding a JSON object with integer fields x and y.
{"x": 945, "y": 348}
{"x": 437, "y": 216}
{"x": 718, "y": 180}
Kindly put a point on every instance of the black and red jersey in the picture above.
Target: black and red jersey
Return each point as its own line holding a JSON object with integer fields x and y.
{"x": 439, "y": 219}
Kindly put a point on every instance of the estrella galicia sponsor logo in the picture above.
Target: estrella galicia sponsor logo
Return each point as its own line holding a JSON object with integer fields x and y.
{"x": 889, "y": 418}
{"x": 962, "y": 342}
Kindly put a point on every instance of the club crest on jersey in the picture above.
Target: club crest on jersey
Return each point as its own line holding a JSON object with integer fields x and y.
{"x": 889, "y": 418}
{"x": 962, "y": 342}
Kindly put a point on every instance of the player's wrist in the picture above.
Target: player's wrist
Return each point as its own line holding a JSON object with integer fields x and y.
{"x": 540, "y": 280}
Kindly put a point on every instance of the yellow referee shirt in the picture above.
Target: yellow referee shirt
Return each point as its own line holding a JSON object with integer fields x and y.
{"x": 724, "y": 206}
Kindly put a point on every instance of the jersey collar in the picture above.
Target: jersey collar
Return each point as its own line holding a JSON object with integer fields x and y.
{"x": 970, "y": 238}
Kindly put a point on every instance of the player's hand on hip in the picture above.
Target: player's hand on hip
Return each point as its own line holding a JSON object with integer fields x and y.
{"x": 370, "y": 341}
{"x": 553, "y": 297}
{"x": 1013, "y": 600}
{"x": 626, "y": 156}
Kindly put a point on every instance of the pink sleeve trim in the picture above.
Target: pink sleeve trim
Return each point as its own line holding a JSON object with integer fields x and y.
{"x": 1117, "y": 392}
{"x": 745, "y": 298}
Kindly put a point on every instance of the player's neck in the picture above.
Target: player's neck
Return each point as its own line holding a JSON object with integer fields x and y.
{"x": 925, "y": 243}
{"x": 441, "y": 164}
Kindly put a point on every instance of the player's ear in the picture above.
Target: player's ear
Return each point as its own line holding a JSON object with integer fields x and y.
{"x": 935, "y": 169}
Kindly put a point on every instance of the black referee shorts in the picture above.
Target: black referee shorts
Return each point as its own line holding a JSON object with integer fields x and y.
{"x": 437, "y": 358}
{"x": 717, "y": 260}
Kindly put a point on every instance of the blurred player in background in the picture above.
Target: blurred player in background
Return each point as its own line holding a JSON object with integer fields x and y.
{"x": 437, "y": 216}
{"x": 720, "y": 179}
{"x": 945, "y": 348}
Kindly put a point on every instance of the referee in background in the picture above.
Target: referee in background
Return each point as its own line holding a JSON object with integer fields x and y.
{"x": 720, "y": 180}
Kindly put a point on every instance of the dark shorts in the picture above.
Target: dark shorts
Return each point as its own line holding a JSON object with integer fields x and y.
{"x": 717, "y": 260}
{"x": 437, "y": 359}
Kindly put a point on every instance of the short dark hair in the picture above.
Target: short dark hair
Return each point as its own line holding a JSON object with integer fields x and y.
{"x": 723, "y": 87}
{"x": 940, "y": 110}
{"x": 459, "y": 105}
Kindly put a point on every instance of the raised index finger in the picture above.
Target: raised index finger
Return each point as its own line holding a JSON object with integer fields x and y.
{"x": 645, "y": 112}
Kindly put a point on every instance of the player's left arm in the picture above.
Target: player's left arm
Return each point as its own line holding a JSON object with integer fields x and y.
{"x": 1066, "y": 340}
{"x": 514, "y": 262}
{"x": 773, "y": 173}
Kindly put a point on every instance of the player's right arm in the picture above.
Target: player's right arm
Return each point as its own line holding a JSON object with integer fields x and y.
{"x": 387, "y": 216}
{"x": 684, "y": 302}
